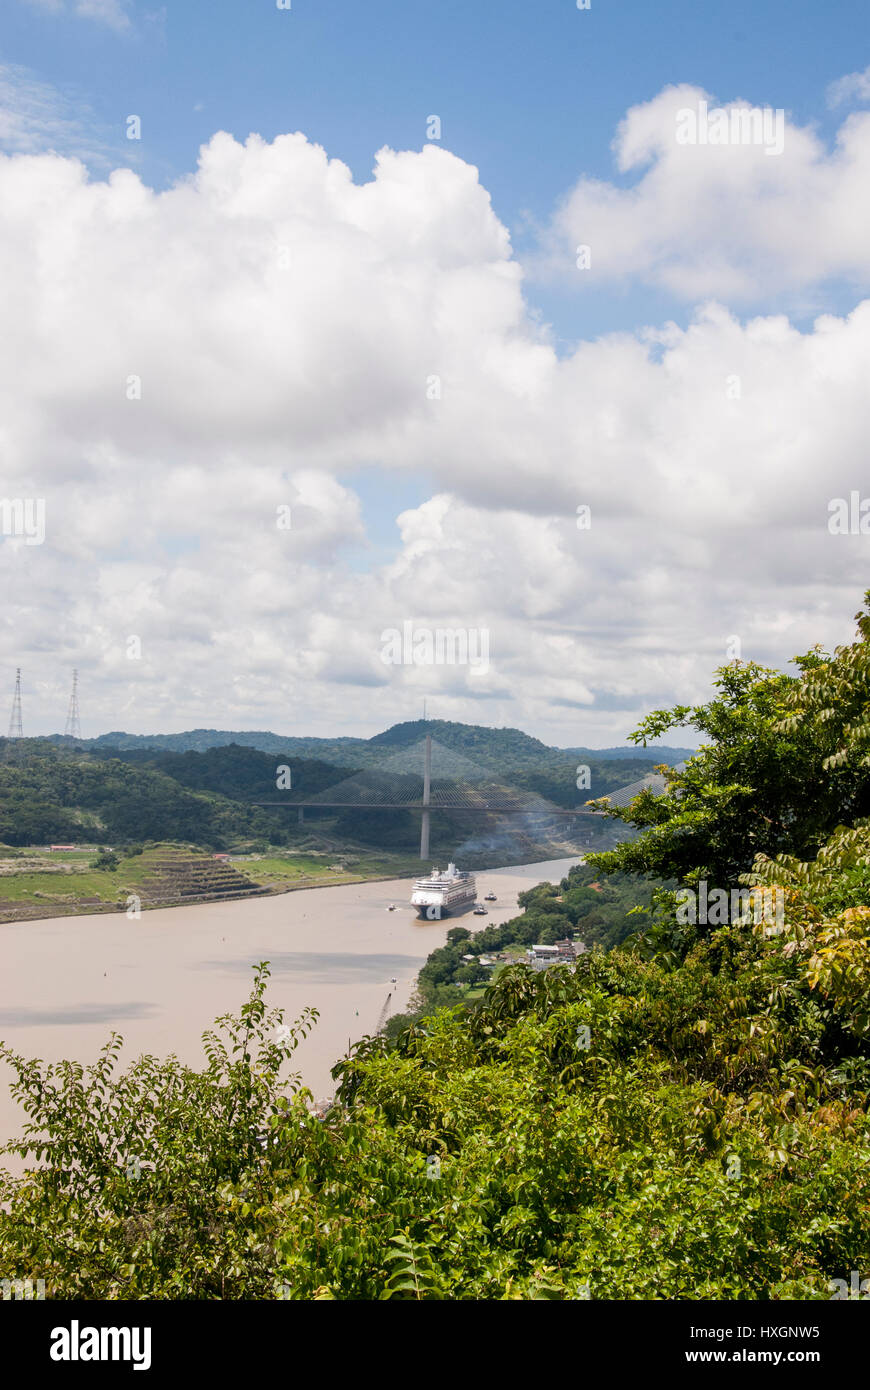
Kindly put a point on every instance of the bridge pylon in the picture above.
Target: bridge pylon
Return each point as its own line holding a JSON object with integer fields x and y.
{"x": 427, "y": 784}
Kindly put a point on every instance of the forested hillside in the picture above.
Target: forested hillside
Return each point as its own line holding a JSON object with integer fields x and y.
{"x": 240, "y": 773}
{"x": 684, "y": 1116}
{"x": 53, "y": 790}
{"x": 51, "y": 794}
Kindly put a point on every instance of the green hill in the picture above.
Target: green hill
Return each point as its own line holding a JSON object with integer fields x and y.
{"x": 129, "y": 788}
{"x": 471, "y": 739}
{"x": 51, "y": 794}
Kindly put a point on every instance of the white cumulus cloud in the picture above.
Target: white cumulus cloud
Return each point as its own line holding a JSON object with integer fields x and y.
{"x": 855, "y": 86}
{"x": 178, "y": 369}
{"x": 728, "y": 220}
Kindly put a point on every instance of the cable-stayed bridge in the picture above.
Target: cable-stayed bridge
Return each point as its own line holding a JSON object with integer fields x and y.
{"x": 430, "y": 777}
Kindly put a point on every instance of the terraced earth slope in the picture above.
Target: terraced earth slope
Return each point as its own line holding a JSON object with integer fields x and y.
{"x": 177, "y": 877}
{"x": 36, "y": 883}
{"x": 56, "y": 885}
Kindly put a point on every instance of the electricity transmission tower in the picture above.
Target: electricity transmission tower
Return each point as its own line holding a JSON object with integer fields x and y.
{"x": 15, "y": 729}
{"x": 73, "y": 722}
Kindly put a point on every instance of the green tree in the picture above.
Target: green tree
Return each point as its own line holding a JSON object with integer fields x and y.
{"x": 106, "y": 860}
{"x": 787, "y": 760}
{"x": 149, "y": 1180}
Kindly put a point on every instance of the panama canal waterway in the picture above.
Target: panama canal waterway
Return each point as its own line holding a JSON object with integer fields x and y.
{"x": 67, "y": 982}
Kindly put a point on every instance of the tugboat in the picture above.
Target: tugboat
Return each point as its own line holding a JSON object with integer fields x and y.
{"x": 479, "y": 911}
{"x": 491, "y": 898}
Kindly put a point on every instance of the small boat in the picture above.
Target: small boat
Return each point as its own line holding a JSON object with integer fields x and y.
{"x": 491, "y": 898}
{"x": 480, "y": 910}
{"x": 392, "y": 907}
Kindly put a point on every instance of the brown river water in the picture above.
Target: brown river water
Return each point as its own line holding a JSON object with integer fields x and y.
{"x": 67, "y": 982}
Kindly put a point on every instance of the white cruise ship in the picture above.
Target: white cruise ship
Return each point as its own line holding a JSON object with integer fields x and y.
{"x": 442, "y": 893}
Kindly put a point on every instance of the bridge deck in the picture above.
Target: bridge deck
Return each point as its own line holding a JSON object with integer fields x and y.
{"x": 503, "y": 807}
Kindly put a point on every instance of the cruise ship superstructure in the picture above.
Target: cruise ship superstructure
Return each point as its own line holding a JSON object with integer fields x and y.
{"x": 442, "y": 893}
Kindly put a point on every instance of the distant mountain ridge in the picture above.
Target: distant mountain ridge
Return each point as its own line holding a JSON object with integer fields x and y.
{"x": 472, "y": 739}
{"x": 655, "y": 753}
{"x": 201, "y": 740}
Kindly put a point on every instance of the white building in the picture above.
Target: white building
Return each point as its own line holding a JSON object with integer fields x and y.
{"x": 540, "y": 957}
{"x": 562, "y": 953}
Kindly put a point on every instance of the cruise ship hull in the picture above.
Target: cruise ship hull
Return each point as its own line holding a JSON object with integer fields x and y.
{"x": 431, "y": 908}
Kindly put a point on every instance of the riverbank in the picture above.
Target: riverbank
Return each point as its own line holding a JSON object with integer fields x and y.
{"x": 37, "y": 884}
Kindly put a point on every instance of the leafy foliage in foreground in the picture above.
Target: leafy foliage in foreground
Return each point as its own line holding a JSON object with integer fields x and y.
{"x": 785, "y": 763}
{"x": 137, "y": 1192}
{"x": 711, "y": 1141}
